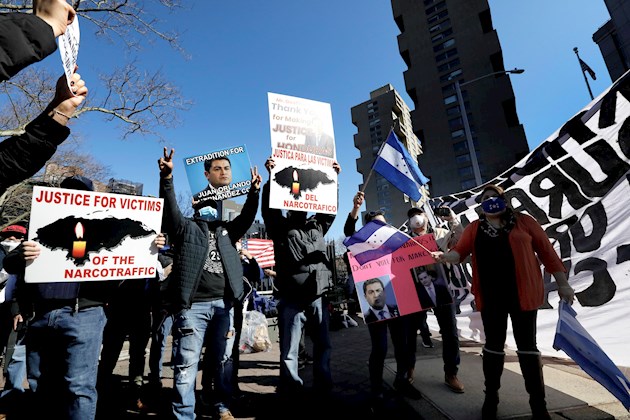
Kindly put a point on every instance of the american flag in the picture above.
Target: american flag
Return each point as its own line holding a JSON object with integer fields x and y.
{"x": 262, "y": 251}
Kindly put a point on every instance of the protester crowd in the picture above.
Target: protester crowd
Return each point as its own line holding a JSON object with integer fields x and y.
{"x": 65, "y": 338}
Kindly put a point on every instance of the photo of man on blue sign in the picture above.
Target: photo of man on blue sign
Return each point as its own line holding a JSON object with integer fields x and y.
{"x": 220, "y": 174}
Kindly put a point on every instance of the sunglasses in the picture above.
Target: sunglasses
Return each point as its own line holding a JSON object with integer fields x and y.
{"x": 14, "y": 235}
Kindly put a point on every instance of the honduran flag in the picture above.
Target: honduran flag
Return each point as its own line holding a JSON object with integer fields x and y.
{"x": 577, "y": 343}
{"x": 396, "y": 165}
{"x": 375, "y": 240}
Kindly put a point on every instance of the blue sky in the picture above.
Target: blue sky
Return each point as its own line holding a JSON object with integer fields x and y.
{"x": 329, "y": 51}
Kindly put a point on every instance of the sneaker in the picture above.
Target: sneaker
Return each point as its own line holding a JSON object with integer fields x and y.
{"x": 403, "y": 386}
{"x": 453, "y": 383}
{"x": 427, "y": 343}
{"x": 226, "y": 415}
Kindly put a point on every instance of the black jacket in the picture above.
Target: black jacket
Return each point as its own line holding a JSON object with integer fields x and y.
{"x": 23, "y": 156}
{"x": 24, "y": 39}
{"x": 190, "y": 239}
{"x": 304, "y": 271}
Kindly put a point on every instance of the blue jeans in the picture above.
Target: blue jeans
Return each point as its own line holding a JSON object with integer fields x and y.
{"x": 213, "y": 321}
{"x": 62, "y": 360}
{"x": 292, "y": 318}
{"x": 163, "y": 324}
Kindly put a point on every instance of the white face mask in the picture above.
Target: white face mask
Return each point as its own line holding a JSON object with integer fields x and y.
{"x": 9, "y": 245}
{"x": 417, "y": 221}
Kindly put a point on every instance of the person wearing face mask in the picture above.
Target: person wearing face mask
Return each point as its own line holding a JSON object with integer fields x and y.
{"x": 304, "y": 273}
{"x": 397, "y": 326}
{"x": 444, "y": 313}
{"x": 206, "y": 280}
{"x": 507, "y": 249}
{"x": 11, "y": 339}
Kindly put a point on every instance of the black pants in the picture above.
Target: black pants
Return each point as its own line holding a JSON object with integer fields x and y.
{"x": 495, "y": 326}
{"x": 378, "y": 336}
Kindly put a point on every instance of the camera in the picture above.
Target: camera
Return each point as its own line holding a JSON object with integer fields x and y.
{"x": 442, "y": 211}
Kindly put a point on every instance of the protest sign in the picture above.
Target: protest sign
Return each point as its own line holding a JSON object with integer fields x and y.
{"x": 69, "y": 49}
{"x": 90, "y": 236}
{"x": 398, "y": 273}
{"x": 303, "y": 149}
{"x": 232, "y": 175}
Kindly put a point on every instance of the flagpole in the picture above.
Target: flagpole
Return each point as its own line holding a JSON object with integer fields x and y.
{"x": 588, "y": 86}
{"x": 378, "y": 156}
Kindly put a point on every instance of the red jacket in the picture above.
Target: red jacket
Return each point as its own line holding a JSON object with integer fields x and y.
{"x": 527, "y": 240}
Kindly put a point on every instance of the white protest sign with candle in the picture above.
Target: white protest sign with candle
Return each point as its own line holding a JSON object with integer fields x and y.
{"x": 69, "y": 49}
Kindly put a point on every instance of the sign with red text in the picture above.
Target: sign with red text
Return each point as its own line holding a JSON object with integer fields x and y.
{"x": 303, "y": 149}
{"x": 91, "y": 236}
{"x": 399, "y": 276}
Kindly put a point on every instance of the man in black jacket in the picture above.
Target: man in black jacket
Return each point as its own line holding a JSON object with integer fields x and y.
{"x": 207, "y": 278}
{"x": 24, "y": 40}
{"x": 303, "y": 275}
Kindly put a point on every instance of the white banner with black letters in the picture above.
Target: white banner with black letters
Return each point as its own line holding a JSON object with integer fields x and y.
{"x": 577, "y": 185}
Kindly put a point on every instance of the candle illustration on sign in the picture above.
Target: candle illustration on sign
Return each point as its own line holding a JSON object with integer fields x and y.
{"x": 78, "y": 246}
{"x": 295, "y": 187}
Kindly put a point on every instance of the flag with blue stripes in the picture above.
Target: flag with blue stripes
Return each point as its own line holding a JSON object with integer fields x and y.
{"x": 577, "y": 343}
{"x": 396, "y": 165}
{"x": 375, "y": 240}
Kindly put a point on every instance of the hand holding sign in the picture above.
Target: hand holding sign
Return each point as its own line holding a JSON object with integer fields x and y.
{"x": 57, "y": 13}
{"x": 30, "y": 250}
{"x": 66, "y": 102}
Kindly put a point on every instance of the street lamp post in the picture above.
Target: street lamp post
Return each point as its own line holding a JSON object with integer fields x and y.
{"x": 464, "y": 114}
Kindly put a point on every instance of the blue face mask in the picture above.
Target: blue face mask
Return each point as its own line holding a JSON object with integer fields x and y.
{"x": 208, "y": 214}
{"x": 493, "y": 205}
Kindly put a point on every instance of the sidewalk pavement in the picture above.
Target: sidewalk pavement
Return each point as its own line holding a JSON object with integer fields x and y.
{"x": 571, "y": 394}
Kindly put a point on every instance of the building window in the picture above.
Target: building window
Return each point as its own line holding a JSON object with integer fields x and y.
{"x": 466, "y": 185}
{"x": 444, "y": 45}
{"x": 437, "y": 17}
{"x": 450, "y": 99}
{"x": 466, "y": 172}
{"x": 460, "y": 147}
{"x": 448, "y": 88}
{"x": 457, "y": 134}
{"x": 447, "y": 66}
{"x": 454, "y": 110}
{"x": 445, "y": 55}
{"x": 442, "y": 35}
{"x": 442, "y": 25}
{"x": 450, "y": 76}
{"x": 374, "y": 122}
{"x": 455, "y": 123}
{"x": 432, "y": 9}
{"x": 463, "y": 159}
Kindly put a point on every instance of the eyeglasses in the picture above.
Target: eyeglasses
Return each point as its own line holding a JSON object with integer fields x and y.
{"x": 18, "y": 236}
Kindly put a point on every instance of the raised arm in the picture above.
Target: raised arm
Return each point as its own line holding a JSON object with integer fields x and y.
{"x": 275, "y": 222}
{"x": 242, "y": 222}
{"x": 172, "y": 217}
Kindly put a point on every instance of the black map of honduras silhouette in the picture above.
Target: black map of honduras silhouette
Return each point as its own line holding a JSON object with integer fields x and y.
{"x": 309, "y": 179}
{"x": 98, "y": 234}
